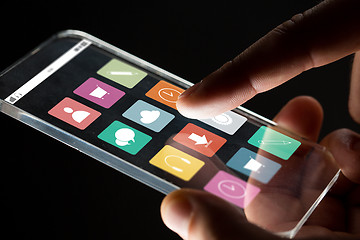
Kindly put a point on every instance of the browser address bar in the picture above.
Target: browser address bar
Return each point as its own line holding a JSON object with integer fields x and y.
{"x": 47, "y": 72}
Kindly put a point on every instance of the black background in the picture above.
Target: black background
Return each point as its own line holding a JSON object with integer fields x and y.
{"x": 51, "y": 191}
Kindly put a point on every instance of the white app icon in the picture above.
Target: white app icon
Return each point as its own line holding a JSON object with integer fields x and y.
{"x": 148, "y": 117}
{"x": 228, "y": 122}
{"x": 175, "y": 159}
{"x": 78, "y": 116}
{"x": 122, "y": 73}
{"x": 169, "y": 94}
{"x": 199, "y": 140}
{"x": 253, "y": 165}
{"x": 124, "y": 136}
{"x": 98, "y": 92}
{"x": 223, "y": 119}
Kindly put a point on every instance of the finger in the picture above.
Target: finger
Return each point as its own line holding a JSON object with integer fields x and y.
{"x": 344, "y": 145}
{"x": 199, "y": 215}
{"x": 319, "y": 36}
{"x": 302, "y": 115}
{"x": 354, "y": 97}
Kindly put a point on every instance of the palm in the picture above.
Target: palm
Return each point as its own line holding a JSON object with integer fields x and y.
{"x": 338, "y": 214}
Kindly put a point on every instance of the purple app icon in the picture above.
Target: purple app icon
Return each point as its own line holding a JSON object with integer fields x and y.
{"x": 99, "y": 92}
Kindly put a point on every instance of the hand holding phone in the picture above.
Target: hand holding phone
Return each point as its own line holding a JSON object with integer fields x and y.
{"x": 305, "y": 41}
{"x": 122, "y": 111}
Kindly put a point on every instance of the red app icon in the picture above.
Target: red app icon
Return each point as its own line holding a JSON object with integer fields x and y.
{"x": 74, "y": 113}
{"x": 200, "y": 139}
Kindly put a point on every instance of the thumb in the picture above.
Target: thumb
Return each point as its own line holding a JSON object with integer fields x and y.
{"x": 195, "y": 214}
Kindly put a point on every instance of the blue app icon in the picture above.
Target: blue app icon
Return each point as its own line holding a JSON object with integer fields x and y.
{"x": 253, "y": 165}
{"x": 148, "y": 115}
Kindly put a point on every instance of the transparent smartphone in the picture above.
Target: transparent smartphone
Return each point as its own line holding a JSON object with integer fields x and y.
{"x": 121, "y": 110}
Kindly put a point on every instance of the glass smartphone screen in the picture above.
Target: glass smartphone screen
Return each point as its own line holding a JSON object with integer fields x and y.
{"x": 123, "y": 110}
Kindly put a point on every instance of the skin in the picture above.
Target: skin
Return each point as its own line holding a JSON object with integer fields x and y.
{"x": 319, "y": 36}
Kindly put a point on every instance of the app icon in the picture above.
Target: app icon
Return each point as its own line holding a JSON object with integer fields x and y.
{"x": 177, "y": 163}
{"x": 99, "y": 92}
{"x": 165, "y": 93}
{"x": 74, "y": 113}
{"x": 232, "y": 189}
{"x": 274, "y": 142}
{"x": 122, "y": 73}
{"x": 148, "y": 115}
{"x": 124, "y": 137}
{"x": 228, "y": 122}
{"x": 253, "y": 165}
{"x": 200, "y": 139}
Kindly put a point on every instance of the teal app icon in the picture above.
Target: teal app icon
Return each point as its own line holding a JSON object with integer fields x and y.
{"x": 124, "y": 137}
{"x": 274, "y": 142}
{"x": 148, "y": 115}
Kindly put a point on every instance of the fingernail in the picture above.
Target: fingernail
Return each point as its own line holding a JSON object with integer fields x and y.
{"x": 176, "y": 215}
{"x": 190, "y": 90}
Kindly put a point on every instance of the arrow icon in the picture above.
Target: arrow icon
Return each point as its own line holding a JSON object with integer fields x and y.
{"x": 231, "y": 187}
{"x": 198, "y": 139}
{"x": 169, "y": 94}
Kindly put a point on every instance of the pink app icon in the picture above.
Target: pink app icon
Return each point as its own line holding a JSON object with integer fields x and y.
{"x": 99, "y": 92}
{"x": 74, "y": 113}
{"x": 232, "y": 189}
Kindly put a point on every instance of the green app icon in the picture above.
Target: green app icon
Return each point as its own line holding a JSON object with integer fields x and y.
{"x": 274, "y": 142}
{"x": 124, "y": 137}
{"x": 122, "y": 73}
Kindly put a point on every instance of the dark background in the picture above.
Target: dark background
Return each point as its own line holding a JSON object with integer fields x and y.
{"x": 51, "y": 191}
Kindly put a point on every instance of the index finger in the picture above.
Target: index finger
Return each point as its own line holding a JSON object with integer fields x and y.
{"x": 321, "y": 35}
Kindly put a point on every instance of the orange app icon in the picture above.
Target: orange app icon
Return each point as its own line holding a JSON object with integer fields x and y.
{"x": 165, "y": 93}
{"x": 200, "y": 140}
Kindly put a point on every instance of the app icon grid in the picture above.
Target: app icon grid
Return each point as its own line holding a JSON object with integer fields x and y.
{"x": 170, "y": 159}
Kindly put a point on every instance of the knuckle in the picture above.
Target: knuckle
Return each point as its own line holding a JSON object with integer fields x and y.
{"x": 290, "y": 25}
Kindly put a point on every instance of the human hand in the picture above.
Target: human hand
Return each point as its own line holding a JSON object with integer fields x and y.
{"x": 315, "y": 38}
{"x": 199, "y": 215}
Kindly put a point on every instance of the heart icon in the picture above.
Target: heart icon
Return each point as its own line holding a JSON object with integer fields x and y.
{"x": 149, "y": 116}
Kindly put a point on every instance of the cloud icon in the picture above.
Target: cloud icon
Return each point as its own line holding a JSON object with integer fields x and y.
{"x": 148, "y": 117}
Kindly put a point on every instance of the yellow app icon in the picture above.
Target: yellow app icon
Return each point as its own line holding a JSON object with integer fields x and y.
{"x": 177, "y": 163}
